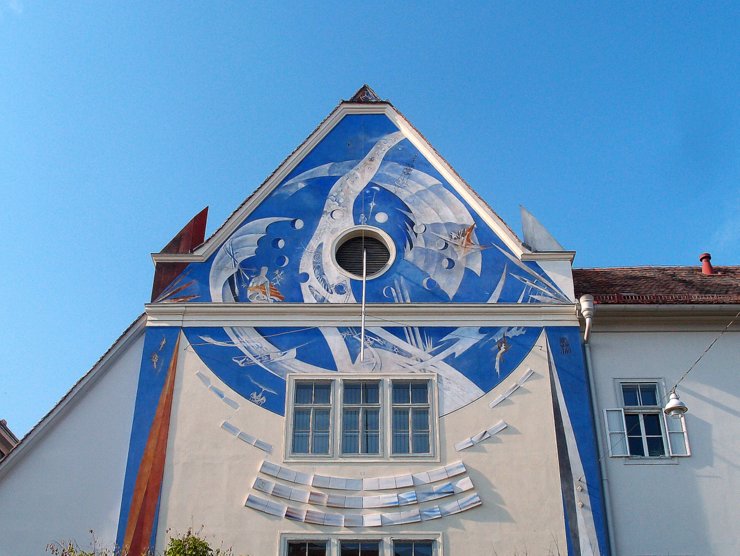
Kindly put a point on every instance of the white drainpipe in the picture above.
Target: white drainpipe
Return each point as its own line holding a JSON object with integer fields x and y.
{"x": 586, "y": 306}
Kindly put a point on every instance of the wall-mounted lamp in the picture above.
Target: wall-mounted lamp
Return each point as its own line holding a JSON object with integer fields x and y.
{"x": 675, "y": 407}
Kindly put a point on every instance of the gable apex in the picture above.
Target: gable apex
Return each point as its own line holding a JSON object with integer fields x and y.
{"x": 364, "y": 171}
{"x": 345, "y": 108}
{"x": 365, "y": 94}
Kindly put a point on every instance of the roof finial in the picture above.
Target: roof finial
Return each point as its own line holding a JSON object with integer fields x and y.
{"x": 365, "y": 95}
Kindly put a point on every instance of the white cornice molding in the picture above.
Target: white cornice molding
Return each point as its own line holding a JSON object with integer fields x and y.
{"x": 612, "y": 318}
{"x": 70, "y": 398}
{"x": 229, "y": 227}
{"x": 549, "y": 256}
{"x": 390, "y": 314}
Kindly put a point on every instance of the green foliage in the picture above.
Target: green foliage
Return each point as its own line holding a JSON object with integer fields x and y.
{"x": 192, "y": 544}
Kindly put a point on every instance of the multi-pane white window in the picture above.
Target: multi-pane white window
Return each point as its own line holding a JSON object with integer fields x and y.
{"x": 640, "y": 429}
{"x": 383, "y": 545}
{"x": 307, "y": 548}
{"x": 375, "y": 417}
{"x": 410, "y": 417}
{"x": 312, "y": 417}
{"x": 361, "y": 417}
{"x": 413, "y": 548}
{"x": 359, "y": 548}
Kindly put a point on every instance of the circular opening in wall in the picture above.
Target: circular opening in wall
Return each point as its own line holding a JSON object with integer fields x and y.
{"x": 377, "y": 246}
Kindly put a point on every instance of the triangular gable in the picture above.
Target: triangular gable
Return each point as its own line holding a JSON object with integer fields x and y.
{"x": 364, "y": 170}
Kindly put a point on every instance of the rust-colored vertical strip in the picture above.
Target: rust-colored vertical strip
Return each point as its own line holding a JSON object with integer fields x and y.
{"x": 151, "y": 471}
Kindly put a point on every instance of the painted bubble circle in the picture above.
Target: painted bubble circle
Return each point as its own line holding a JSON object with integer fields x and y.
{"x": 381, "y": 217}
{"x": 297, "y": 224}
{"x": 282, "y": 261}
{"x": 278, "y": 243}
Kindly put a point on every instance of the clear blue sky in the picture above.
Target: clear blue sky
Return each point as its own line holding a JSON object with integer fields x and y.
{"x": 618, "y": 127}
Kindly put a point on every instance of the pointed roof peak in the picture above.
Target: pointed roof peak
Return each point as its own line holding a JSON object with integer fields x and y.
{"x": 365, "y": 95}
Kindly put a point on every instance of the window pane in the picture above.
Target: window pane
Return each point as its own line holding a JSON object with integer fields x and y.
{"x": 351, "y": 420}
{"x": 633, "y": 424}
{"x": 371, "y": 443}
{"x": 303, "y": 392}
{"x": 316, "y": 549}
{"x": 350, "y": 548}
{"x": 351, "y": 443}
{"x": 629, "y": 392}
{"x": 352, "y": 393}
{"x": 614, "y": 420}
{"x": 419, "y": 392}
{"x": 652, "y": 424}
{"x": 421, "y": 443}
{"x": 636, "y": 448}
{"x": 357, "y": 548}
{"x": 400, "y": 443}
{"x": 618, "y": 444}
{"x": 321, "y": 420}
{"x": 370, "y": 548}
{"x": 300, "y": 442}
{"x": 678, "y": 444}
{"x": 371, "y": 392}
{"x": 648, "y": 394}
{"x": 303, "y": 548}
{"x": 423, "y": 548}
{"x": 302, "y": 420}
{"x": 403, "y": 548}
{"x": 420, "y": 420}
{"x": 372, "y": 420}
{"x": 401, "y": 392}
{"x": 296, "y": 548}
{"x": 655, "y": 446}
{"x": 400, "y": 420}
{"x": 321, "y": 392}
{"x": 320, "y": 444}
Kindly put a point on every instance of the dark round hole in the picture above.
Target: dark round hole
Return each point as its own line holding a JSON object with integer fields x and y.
{"x": 349, "y": 255}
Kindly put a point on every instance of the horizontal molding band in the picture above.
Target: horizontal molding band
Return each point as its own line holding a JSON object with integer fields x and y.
{"x": 549, "y": 256}
{"x": 382, "y": 314}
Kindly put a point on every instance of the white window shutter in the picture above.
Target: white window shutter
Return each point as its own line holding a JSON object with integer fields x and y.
{"x": 678, "y": 439}
{"x": 616, "y": 432}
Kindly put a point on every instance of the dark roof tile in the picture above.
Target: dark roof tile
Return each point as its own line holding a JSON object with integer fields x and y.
{"x": 669, "y": 285}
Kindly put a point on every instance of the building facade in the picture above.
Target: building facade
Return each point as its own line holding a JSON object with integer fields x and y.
{"x": 364, "y": 359}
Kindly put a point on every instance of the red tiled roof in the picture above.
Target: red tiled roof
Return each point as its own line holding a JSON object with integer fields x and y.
{"x": 668, "y": 285}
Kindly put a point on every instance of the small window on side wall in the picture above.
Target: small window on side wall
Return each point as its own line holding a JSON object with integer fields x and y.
{"x": 640, "y": 429}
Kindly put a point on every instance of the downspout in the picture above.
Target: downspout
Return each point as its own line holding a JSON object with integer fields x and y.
{"x": 586, "y": 307}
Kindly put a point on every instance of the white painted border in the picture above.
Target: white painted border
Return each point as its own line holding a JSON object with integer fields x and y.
{"x": 369, "y": 231}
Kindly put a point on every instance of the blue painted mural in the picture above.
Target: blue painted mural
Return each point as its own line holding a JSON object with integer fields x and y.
{"x": 468, "y": 361}
{"x": 364, "y": 172}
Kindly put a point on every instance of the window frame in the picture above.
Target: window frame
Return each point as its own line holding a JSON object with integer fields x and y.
{"x": 337, "y": 381}
{"x": 362, "y": 408}
{"x": 312, "y": 407}
{"x": 616, "y": 427}
{"x": 385, "y": 539}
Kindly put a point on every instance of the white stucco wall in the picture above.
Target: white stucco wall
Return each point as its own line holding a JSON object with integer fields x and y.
{"x": 68, "y": 481}
{"x": 209, "y": 473}
{"x": 685, "y": 505}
